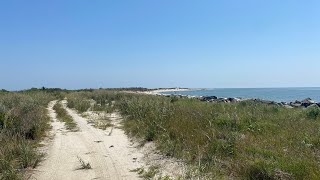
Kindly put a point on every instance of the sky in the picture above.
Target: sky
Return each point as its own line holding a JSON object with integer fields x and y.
{"x": 159, "y": 43}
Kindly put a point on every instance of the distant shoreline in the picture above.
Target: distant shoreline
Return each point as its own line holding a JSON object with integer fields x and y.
{"x": 160, "y": 91}
{"x": 306, "y": 102}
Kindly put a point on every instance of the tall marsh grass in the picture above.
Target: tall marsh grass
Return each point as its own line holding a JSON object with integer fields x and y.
{"x": 245, "y": 140}
{"x": 95, "y": 100}
{"x": 23, "y": 121}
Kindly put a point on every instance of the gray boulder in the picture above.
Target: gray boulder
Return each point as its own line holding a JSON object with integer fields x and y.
{"x": 307, "y": 102}
{"x": 231, "y": 100}
{"x": 295, "y": 104}
{"x": 266, "y": 101}
{"x": 222, "y": 100}
{"x": 209, "y": 98}
{"x": 313, "y": 105}
{"x": 288, "y": 106}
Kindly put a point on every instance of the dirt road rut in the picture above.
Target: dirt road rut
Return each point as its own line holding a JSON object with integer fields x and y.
{"x": 111, "y": 156}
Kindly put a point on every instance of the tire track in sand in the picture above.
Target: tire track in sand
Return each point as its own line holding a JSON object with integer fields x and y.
{"x": 111, "y": 157}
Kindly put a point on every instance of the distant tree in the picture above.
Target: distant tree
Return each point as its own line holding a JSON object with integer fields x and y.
{"x": 3, "y": 90}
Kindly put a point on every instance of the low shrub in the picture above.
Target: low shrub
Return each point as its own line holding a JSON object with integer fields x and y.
{"x": 313, "y": 112}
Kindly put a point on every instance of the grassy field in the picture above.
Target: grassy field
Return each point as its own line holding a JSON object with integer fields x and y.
{"x": 245, "y": 140}
{"x": 23, "y": 122}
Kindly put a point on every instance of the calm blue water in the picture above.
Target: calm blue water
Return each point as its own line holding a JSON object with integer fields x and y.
{"x": 274, "y": 94}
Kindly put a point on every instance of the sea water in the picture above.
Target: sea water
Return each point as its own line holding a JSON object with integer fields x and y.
{"x": 273, "y": 94}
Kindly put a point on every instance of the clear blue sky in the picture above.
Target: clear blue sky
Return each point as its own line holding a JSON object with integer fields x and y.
{"x": 159, "y": 43}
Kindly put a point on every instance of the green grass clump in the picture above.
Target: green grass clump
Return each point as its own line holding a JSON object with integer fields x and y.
{"x": 83, "y": 164}
{"x": 313, "y": 112}
{"x": 63, "y": 116}
{"x": 95, "y": 100}
{"x": 147, "y": 174}
{"x": 23, "y": 122}
{"x": 78, "y": 101}
{"x": 102, "y": 124}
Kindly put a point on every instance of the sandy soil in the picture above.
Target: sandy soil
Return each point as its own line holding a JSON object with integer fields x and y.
{"x": 111, "y": 157}
{"x": 158, "y": 92}
{"x": 167, "y": 166}
{"x": 110, "y": 152}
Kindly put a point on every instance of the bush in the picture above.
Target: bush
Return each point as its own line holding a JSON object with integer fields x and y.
{"x": 258, "y": 171}
{"x": 313, "y": 112}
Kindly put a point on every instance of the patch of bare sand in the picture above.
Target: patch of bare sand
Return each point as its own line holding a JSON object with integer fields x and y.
{"x": 151, "y": 157}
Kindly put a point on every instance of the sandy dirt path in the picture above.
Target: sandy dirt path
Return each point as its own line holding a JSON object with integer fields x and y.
{"x": 111, "y": 156}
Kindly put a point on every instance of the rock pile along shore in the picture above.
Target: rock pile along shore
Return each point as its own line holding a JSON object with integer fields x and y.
{"x": 214, "y": 99}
